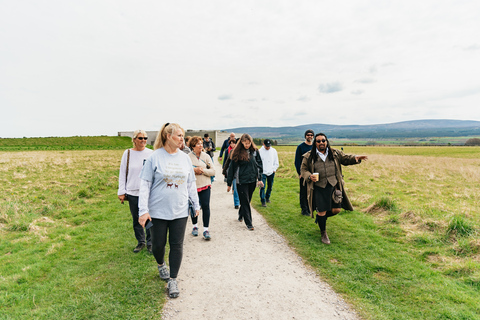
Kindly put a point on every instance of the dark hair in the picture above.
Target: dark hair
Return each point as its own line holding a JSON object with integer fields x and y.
{"x": 205, "y": 135}
{"x": 313, "y": 152}
{"x": 240, "y": 153}
{"x": 308, "y": 131}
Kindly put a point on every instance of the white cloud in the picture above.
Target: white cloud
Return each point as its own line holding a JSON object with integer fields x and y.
{"x": 225, "y": 97}
{"x": 330, "y": 87}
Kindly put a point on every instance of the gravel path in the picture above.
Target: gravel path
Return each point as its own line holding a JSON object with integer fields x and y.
{"x": 241, "y": 274}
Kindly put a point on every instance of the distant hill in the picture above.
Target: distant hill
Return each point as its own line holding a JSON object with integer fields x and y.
{"x": 398, "y": 130}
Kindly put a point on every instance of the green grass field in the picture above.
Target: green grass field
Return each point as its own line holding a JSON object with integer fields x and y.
{"x": 410, "y": 250}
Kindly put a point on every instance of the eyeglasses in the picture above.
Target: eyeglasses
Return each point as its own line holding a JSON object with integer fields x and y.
{"x": 142, "y": 138}
{"x": 323, "y": 140}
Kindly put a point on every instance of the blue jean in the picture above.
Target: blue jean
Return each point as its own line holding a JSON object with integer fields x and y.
{"x": 266, "y": 180}
{"x": 212, "y": 178}
{"x": 236, "y": 200}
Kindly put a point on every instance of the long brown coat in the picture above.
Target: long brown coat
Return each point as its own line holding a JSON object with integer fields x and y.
{"x": 340, "y": 159}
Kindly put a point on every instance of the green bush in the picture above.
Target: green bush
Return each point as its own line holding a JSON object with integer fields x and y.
{"x": 460, "y": 227}
{"x": 386, "y": 204}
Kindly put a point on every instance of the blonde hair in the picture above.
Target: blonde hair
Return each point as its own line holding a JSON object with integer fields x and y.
{"x": 135, "y": 135}
{"x": 167, "y": 128}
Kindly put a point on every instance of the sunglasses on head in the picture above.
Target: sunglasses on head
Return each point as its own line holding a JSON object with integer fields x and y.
{"x": 142, "y": 138}
{"x": 318, "y": 141}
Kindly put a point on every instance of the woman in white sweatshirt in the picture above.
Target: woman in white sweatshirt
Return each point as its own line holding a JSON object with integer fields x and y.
{"x": 129, "y": 184}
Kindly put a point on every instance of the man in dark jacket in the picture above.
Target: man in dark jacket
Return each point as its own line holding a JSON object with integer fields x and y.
{"x": 225, "y": 146}
{"x": 303, "y": 148}
{"x": 208, "y": 145}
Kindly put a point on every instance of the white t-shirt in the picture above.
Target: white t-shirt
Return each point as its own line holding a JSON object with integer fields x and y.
{"x": 168, "y": 180}
{"x": 135, "y": 166}
{"x": 269, "y": 160}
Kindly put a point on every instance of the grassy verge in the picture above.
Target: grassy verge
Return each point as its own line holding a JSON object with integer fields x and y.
{"x": 66, "y": 241}
{"x": 411, "y": 249}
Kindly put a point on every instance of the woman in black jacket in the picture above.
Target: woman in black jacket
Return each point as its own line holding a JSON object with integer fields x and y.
{"x": 246, "y": 168}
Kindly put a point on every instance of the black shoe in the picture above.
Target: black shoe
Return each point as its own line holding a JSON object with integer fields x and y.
{"x": 149, "y": 249}
{"x": 264, "y": 204}
{"x": 268, "y": 200}
{"x": 305, "y": 213}
{"x": 236, "y": 207}
{"x": 139, "y": 247}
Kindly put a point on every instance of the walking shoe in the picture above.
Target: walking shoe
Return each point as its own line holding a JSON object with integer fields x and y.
{"x": 173, "y": 291}
{"x": 149, "y": 249}
{"x": 325, "y": 237}
{"x": 139, "y": 247}
{"x": 268, "y": 200}
{"x": 236, "y": 207}
{"x": 264, "y": 204}
{"x": 195, "y": 231}
{"x": 305, "y": 213}
{"x": 251, "y": 228}
{"x": 206, "y": 235}
{"x": 163, "y": 271}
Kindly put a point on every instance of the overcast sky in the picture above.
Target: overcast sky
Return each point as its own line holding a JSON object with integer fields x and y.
{"x": 98, "y": 67}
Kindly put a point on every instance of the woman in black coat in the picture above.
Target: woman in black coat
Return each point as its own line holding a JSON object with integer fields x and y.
{"x": 246, "y": 168}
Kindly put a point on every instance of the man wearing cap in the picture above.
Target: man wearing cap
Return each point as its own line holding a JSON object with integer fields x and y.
{"x": 270, "y": 165}
{"x": 303, "y": 148}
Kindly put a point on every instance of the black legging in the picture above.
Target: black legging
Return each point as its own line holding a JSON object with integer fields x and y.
{"x": 245, "y": 192}
{"x": 176, "y": 234}
{"x": 204, "y": 198}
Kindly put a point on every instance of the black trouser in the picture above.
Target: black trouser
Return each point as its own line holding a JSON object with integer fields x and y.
{"x": 137, "y": 227}
{"x": 176, "y": 233}
{"x": 204, "y": 198}
{"x": 245, "y": 192}
{"x": 303, "y": 196}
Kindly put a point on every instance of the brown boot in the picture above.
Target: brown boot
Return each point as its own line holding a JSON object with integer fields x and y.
{"x": 325, "y": 237}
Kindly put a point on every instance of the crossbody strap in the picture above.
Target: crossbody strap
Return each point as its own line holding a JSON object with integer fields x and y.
{"x": 126, "y": 174}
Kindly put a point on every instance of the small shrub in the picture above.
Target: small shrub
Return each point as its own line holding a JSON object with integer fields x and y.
{"x": 84, "y": 193}
{"x": 386, "y": 204}
{"x": 460, "y": 227}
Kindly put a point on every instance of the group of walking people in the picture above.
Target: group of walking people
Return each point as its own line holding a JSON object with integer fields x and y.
{"x": 163, "y": 187}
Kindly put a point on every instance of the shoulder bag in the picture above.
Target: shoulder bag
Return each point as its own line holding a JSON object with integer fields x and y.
{"x": 126, "y": 174}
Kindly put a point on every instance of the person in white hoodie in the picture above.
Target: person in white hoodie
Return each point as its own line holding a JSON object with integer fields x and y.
{"x": 270, "y": 165}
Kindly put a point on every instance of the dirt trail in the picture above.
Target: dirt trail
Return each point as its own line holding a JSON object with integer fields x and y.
{"x": 242, "y": 274}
